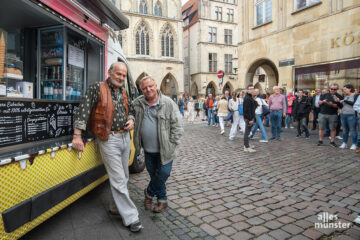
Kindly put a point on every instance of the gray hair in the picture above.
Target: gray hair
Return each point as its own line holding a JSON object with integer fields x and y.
{"x": 144, "y": 78}
{"x": 112, "y": 66}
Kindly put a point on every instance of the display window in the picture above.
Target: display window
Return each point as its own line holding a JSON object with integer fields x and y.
{"x": 41, "y": 57}
{"x": 324, "y": 75}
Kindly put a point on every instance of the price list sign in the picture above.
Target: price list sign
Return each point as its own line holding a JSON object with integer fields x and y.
{"x": 22, "y": 122}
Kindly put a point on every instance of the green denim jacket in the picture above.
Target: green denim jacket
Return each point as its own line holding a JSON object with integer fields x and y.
{"x": 170, "y": 127}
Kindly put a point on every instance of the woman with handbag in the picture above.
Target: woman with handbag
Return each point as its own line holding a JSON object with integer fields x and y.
{"x": 260, "y": 112}
{"x": 238, "y": 120}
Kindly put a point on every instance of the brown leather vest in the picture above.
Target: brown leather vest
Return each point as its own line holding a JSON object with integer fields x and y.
{"x": 102, "y": 114}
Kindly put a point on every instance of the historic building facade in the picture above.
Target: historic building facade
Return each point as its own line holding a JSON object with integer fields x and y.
{"x": 298, "y": 44}
{"x": 153, "y": 42}
{"x": 210, "y": 41}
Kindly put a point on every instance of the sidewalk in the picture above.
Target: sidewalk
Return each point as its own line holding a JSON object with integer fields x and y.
{"x": 88, "y": 218}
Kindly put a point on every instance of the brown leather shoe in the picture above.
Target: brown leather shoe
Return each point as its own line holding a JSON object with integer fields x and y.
{"x": 160, "y": 206}
{"x": 357, "y": 150}
{"x": 147, "y": 202}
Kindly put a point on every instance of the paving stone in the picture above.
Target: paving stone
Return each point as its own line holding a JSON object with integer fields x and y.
{"x": 279, "y": 234}
{"x": 258, "y": 230}
{"x": 242, "y": 235}
{"x": 220, "y": 223}
{"x": 313, "y": 234}
{"x": 228, "y": 231}
{"x": 209, "y": 229}
{"x": 292, "y": 229}
{"x": 255, "y": 221}
{"x": 240, "y": 225}
{"x": 273, "y": 224}
{"x": 209, "y": 218}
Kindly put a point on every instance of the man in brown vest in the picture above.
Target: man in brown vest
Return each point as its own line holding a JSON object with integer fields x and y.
{"x": 107, "y": 112}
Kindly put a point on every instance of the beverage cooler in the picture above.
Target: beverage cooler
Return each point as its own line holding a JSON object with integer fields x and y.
{"x": 61, "y": 64}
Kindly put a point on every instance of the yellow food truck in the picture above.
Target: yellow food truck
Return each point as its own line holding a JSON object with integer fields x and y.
{"x": 50, "y": 52}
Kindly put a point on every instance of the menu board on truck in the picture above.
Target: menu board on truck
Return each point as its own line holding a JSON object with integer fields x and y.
{"x": 22, "y": 122}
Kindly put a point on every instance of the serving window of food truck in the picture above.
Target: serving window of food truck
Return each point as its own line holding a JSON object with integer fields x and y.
{"x": 50, "y": 52}
{"x": 43, "y": 57}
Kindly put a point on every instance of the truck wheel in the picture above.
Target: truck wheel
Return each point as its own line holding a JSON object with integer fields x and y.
{"x": 138, "y": 164}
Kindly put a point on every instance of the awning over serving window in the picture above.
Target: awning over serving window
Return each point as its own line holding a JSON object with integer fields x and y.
{"x": 107, "y": 12}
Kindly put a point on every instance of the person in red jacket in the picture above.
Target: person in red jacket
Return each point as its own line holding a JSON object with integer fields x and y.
{"x": 209, "y": 106}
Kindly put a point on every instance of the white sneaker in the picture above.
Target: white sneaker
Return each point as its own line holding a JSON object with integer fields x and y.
{"x": 343, "y": 145}
{"x": 338, "y": 137}
{"x": 353, "y": 147}
{"x": 263, "y": 141}
{"x": 231, "y": 138}
{"x": 291, "y": 127}
{"x": 286, "y": 126}
{"x": 222, "y": 132}
{"x": 250, "y": 150}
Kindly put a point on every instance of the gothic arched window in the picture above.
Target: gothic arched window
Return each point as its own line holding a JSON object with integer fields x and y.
{"x": 142, "y": 40}
{"x": 143, "y": 7}
{"x": 167, "y": 43}
{"x": 158, "y": 9}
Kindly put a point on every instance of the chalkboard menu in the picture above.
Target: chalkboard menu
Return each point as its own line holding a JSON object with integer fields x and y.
{"x": 22, "y": 122}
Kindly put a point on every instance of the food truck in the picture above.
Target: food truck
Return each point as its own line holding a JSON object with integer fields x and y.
{"x": 50, "y": 52}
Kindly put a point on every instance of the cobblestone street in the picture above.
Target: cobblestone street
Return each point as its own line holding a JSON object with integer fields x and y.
{"x": 217, "y": 191}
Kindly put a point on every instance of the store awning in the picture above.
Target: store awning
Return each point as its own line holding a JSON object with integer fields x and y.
{"x": 107, "y": 12}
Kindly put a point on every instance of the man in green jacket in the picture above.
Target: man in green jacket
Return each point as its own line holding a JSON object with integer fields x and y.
{"x": 158, "y": 129}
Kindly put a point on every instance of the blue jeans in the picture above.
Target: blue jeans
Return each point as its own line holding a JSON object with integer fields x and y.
{"x": 210, "y": 116}
{"x": 276, "y": 118}
{"x": 158, "y": 175}
{"x": 349, "y": 122}
{"x": 288, "y": 120}
{"x": 267, "y": 119}
{"x": 182, "y": 111}
{"x": 216, "y": 118}
{"x": 259, "y": 124}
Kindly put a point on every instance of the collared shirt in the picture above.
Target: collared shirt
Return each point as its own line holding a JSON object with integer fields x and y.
{"x": 149, "y": 128}
{"x": 89, "y": 101}
{"x": 277, "y": 102}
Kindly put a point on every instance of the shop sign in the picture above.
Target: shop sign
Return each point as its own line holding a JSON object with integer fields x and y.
{"x": 286, "y": 62}
{"x": 346, "y": 40}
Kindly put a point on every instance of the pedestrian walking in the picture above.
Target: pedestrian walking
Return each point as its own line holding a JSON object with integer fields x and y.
{"x": 348, "y": 116}
{"x": 249, "y": 116}
{"x": 357, "y": 112}
{"x": 181, "y": 104}
{"x": 158, "y": 129}
{"x": 259, "y": 115}
{"x": 300, "y": 111}
{"x": 289, "y": 117}
{"x": 209, "y": 108}
{"x": 215, "y": 113}
{"x": 277, "y": 108}
{"x": 108, "y": 112}
{"x": 238, "y": 120}
{"x": 329, "y": 105}
{"x": 222, "y": 112}
{"x": 197, "y": 107}
{"x": 191, "y": 110}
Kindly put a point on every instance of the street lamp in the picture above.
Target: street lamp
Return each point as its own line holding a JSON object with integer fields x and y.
{"x": 235, "y": 64}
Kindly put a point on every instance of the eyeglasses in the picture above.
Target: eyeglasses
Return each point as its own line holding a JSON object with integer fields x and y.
{"x": 334, "y": 89}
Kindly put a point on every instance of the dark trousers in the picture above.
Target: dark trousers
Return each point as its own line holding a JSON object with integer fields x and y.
{"x": 247, "y": 132}
{"x": 316, "y": 116}
{"x": 301, "y": 122}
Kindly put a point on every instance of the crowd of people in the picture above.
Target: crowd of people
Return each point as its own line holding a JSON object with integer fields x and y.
{"x": 250, "y": 111}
